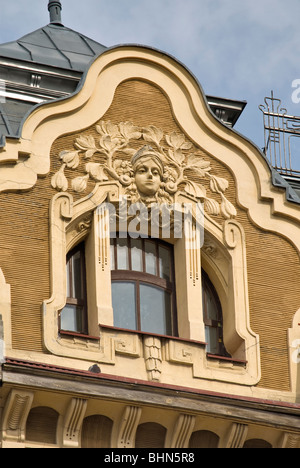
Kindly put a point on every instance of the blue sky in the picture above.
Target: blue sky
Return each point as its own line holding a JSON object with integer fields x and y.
{"x": 237, "y": 49}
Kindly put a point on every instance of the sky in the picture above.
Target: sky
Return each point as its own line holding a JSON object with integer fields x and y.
{"x": 237, "y": 49}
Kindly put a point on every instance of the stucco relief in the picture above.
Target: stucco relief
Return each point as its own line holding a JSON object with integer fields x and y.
{"x": 163, "y": 165}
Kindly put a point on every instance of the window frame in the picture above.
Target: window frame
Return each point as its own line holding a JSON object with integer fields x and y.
{"x": 73, "y": 301}
{"x": 141, "y": 277}
{"x": 208, "y": 288}
{"x": 223, "y": 254}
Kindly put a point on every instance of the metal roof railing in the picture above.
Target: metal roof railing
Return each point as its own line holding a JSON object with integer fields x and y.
{"x": 281, "y": 137}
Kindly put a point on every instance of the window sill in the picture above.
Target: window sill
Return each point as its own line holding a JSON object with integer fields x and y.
{"x": 138, "y": 332}
{"x": 72, "y": 334}
{"x": 226, "y": 359}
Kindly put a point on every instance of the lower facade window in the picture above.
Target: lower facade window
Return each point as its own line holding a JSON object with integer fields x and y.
{"x": 143, "y": 287}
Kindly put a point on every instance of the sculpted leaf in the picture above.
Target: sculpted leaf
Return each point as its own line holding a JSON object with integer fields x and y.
{"x": 211, "y": 206}
{"x": 195, "y": 190}
{"x": 153, "y": 134}
{"x": 79, "y": 184}
{"x": 130, "y": 131}
{"x": 179, "y": 156}
{"x": 186, "y": 146}
{"x": 112, "y": 129}
{"x": 197, "y": 162}
{"x": 175, "y": 140}
{"x": 96, "y": 171}
{"x": 89, "y": 153}
{"x": 227, "y": 208}
{"x": 218, "y": 184}
{"x": 70, "y": 158}
{"x": 59, "y": 180}
{"x": 85, "y": 143}
{"x": 109, "y": 144}
{"x": 108, "y": 128}
{"x": 130, "y": 151}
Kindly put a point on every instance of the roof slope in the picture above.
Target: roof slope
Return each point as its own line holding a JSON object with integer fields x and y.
{"x": 54, "y": 45}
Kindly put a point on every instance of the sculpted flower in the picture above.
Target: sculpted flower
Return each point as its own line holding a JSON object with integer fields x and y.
{"x": 123, "y": 168}
{"x": 170, "y": 174}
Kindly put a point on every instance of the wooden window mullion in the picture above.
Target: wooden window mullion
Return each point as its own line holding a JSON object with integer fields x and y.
{"x": 138, "y": 306}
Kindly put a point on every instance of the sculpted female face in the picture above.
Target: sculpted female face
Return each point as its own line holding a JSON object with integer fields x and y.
{"x": 148, "y": 176}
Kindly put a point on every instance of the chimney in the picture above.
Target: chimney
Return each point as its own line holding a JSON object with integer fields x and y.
{"x": 55, "y": 8}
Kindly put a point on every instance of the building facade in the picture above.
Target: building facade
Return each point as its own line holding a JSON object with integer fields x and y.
{"x": 149, "y": 257}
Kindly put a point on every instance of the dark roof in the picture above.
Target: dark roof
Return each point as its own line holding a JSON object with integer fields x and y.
{"x": 54, "y": 45}
{"x": 57, "y": 53}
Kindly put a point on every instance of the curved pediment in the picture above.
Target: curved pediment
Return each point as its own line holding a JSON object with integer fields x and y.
{"x": 23, "y": 161}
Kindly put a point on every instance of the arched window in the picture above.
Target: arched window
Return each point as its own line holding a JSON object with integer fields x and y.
{"x": 96, "y": 432}
{"x": 212, "y": 317}
{"x": 73, "y": 317}
{"x": 204, "y": 439}
{"x": 143, "y": 286}
{"x": 41, "y": 425}
{"x": 150, "y": 435}
{"x": 257, "y": 443}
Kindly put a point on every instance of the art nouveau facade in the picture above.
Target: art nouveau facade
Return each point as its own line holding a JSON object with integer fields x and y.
{"x": 177, "y": 322}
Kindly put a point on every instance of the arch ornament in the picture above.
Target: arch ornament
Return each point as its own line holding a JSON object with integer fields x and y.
{"x": 148, "y": 189}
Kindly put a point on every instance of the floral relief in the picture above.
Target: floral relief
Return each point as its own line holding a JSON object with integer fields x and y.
{"x": 163, "y": 165}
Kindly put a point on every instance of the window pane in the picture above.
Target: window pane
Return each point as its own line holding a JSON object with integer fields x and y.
{"x": 68, "y": 278}
{"x": 122, "y": 254}
{"x": 124, "y": 305}
{"x": 112, "y": 256}
{"x": 77, "y": 279}
{"x": 211, "y": 337}
{"x": 155, "y": 309}
{"x": 164, "y": 263}
{"x": 212, "y": 308}
{"x": 136, "y": 255}
{"x": 150, "y": 258}
{"x": 71, "y": 318}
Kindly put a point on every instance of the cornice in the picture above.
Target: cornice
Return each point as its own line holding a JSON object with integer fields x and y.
{"x": 45, "y": 377}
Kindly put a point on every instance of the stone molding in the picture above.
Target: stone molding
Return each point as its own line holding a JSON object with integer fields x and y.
{"x": 229, "y": 244}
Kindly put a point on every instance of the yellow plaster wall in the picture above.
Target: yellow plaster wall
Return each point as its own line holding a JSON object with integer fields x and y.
{"x": 273, "y": 263}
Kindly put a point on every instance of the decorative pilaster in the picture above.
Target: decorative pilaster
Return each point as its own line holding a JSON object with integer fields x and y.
{"x": 236, "y": 436}
{"x": 183, "y": 431}
{"x": 98, "y": 256}
{"x": 15, "y": 415}
{"x": 128, "y": 427}
{"x": 188, "y": 281}
{"x": 290, "y": 440}
{"x": 73, "y": 421}
{"x": 153, "y": 357}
